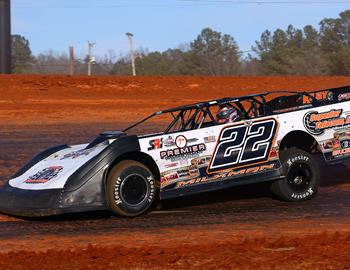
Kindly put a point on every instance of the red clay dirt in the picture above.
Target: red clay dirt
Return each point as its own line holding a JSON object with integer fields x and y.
{"x": 62, "y": 99}
{"x": 47, "y": 101}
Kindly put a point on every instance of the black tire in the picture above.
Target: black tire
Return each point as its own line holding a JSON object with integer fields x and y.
{"x": 302, "y": 176}
{"x": 131, "y": 188}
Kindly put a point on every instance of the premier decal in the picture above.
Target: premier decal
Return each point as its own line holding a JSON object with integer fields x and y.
{"x": 44, "y": 175}
{"x": 243, "y": 145}
{"x": 184, "y": 152}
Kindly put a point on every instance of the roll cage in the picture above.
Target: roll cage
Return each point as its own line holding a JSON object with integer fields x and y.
{"x": 199, "y": 115}
{"x": 202, "y": 114}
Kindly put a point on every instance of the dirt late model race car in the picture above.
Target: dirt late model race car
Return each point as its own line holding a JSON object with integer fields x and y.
{"x": 273, "y": 136}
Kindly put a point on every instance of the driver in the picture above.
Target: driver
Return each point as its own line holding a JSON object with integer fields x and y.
{"x": 227, "y": 114}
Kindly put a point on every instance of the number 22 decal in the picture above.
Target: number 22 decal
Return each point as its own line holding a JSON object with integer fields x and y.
{"x": 243, "y": 145}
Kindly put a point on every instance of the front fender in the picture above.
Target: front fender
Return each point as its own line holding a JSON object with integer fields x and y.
{"x": 86, "y": 185}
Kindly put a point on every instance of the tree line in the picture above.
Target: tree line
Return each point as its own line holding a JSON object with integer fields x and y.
{"x": 306, "y": 51}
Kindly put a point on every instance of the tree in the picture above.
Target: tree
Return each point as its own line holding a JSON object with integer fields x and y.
{"x": 291, "y": 52}
{"x": 21, "y": 54}
{"x": 335, "y": 43}
{"x": 213, "y": 53}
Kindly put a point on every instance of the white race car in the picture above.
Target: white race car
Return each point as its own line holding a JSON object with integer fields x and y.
{"x": 273, "y": 136}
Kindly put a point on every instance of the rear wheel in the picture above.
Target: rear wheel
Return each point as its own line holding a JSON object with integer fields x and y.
{"x": 131, "y": 188}
{"x": 302, "y": 176}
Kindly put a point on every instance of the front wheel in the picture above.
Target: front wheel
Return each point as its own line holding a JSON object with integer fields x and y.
{"x": 131, "y": 188}
{"x": 302, "y": 176}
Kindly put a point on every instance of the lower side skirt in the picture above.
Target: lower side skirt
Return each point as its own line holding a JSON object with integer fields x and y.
{"x": 222, "y": 184}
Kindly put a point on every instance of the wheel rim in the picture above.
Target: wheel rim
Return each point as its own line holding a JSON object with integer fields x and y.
{"x": 134, "y": 189}
{"x": 299, "y": 177}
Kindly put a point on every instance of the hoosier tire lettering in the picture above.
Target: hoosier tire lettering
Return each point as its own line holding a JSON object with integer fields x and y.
{"x": 302, "y": 176}
{"x": 116, "y": 191}
{"x": 309, "y": 192}
{"x": 131, "y": 188}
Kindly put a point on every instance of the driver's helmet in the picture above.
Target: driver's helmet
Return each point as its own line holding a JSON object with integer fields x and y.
{"x": 226, "y": 114}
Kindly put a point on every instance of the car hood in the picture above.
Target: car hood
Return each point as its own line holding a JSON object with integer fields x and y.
{"x": 53, "y": 171}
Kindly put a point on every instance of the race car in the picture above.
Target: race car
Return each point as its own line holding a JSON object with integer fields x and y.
{"x": 269, "y": 137}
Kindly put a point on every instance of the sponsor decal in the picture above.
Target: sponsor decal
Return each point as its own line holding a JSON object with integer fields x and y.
{"x": 344, "y": 96}
{"x": 193, "y": 170}
{"x": 341, "y": 143}
{"x": 316, "y": 123}
{"x": 183, "y": 152}
{"x": 241, "y": 145}
{"x": 168, "y": 177}
{"x": 225, "y": 175}
{"x": 181, "y": 141}
{"x": 210, "y": 139}
{"x": 274, "y": 153}
{"x": 327, "y": 145}
{"x": 183, "y": 162}
{"x": 341, "y": 152}
{"x": 171, "y": 165}
{"x": 201, "y": 161}
{"x": 184, "y": 172}
{"x": 155, "y": 144}
{"x": 345, "y": 144}
{"x": 187, "y": 172}
{"x": 192, "y": 140}
{"x": 169, "y": 142}
{"x": 79, "y": 153}
{"x": 44, "y": 175}
{"x": 322, "y": 95}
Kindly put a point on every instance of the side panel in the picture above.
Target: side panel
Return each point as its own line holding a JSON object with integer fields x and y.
{"x": 329, "y": 125}
{"x": 199, "y": 160}
{"x": 243, "y": 152}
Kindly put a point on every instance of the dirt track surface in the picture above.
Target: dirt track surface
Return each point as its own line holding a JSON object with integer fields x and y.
{"x": 241, "y": 228}
{"x": 63, "y": 99}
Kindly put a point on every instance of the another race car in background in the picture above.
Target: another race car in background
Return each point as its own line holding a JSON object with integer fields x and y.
{"x": 269, "y": 137}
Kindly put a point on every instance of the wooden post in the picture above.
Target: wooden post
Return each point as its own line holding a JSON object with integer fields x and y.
{"x": 5, "y": 37}
{"x": 71, "y": 60}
